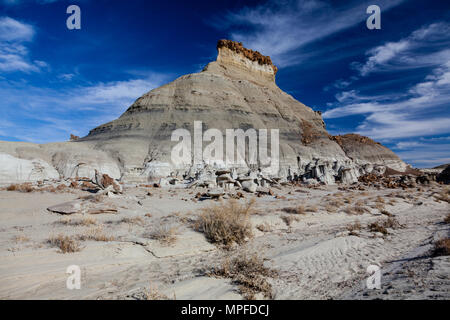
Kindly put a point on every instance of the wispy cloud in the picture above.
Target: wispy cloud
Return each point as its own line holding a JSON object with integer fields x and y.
{"x": 57, "y": 113}
{"x": 420, "y": 110}
{"x": 279, "y": 28}
{"x": 14, "y": 55}
{"x": 405, "y": 54}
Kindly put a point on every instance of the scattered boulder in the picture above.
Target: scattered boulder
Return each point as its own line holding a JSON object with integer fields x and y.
{"x": 249, "y": 186}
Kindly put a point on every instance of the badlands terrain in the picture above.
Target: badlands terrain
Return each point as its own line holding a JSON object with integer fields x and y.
{"x": 288, "y": 242}
{"x": 142, "y": 227}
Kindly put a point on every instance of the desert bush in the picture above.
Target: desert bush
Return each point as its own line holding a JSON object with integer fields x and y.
{"x": 20, "y": 238}
{"x": 23, "y": 187}
{"x": 392, "y": 223}
{"x": 295, "y": 210}
{"x": 441, "y": 247}
{"x": 356, "y": 209}
{"x": 447, "y": 218}
{"x": 289, "y": 219}
{"x": 226, "y": 224}
{"x": 442, "y": 196}
{"x": 81, "y": 222}
{"x": 65, "y": 243}
{"x": 386, "y": 213}
{"x": 354, "y": 228}
{"x": 378, "y": 227}
{"x": 153, "y": 294}
{"x": 95, "y": 234}
{"x": 134, "y": 220}
{"x": 165, "y": 234}
{"x": 249, "y": 273}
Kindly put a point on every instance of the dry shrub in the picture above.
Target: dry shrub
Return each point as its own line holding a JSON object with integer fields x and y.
{"x": 312, "y": 209}
{"x": 153, "y": 294}
{"x": 95, "y": 234}
{"x": 392, "y": 223}
{"x": 295, "y": 210}
{"x": 378, "y": 227}
{"x": 249, "y": 273}
{"x": 82, "y": 222}
{"x": 441, "y": 248}
{"x": 330, "y": 208}
{"x": 386, "y": 213}
{"x": 356, "y": 209}
{"x": 442, "y": 196}
{"x": 134, "y": 220}
{"x": 379, "y": 199}
{"x": 226, "y": 224}
{"x": 20, "y": 238}
{"x": 447, "y": 218}
{"x": 23, "y": 187}
{"x": 334, "y": 205}
{"x": 165, "y": 234}
{"x": 289, "y": 220}
{"x": 354, "y": 228}
{"x": 348, "y": 200}
{"x": 65, "y": 243}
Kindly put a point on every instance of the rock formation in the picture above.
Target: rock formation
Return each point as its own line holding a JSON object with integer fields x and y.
{"x": 238, "y": 90}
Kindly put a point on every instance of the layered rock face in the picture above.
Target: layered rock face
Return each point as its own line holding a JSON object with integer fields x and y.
{"x": 237, "y": 91}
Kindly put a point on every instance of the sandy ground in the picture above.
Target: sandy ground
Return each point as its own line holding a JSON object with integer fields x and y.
{"x": 316, "y": 256}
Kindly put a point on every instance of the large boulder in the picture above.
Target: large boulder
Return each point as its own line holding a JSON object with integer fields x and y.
{"x": 15, "y": 170}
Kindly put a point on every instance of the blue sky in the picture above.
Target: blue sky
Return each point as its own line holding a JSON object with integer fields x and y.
{"x": 392, "y": 85}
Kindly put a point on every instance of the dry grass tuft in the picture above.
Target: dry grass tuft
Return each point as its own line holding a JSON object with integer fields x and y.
{"x": 247, "y": 271}
{"x": 356, "y": 209}
{"x": 289, "y": 219}
{"x": 95, "y": 234}
{"x": 226, "y": 224}
{"x": 354, "y": 228}
{"x": 441, "y": 247}
{"x": 82, "y": 222}
{"x": 20, "y": 238}
{"x": 444, "y": 195}
{"x": 378, "y": 227}
{"x": 65, "y": 243}
{"x": 295, "y": 210}
{"x": 447, "y": 218}
{"x": 23, "y": 187}
{"x": 134, "y": 220}
{"x": 153, "y": 294}
{"x": 165, "y": 234}
{"x": 381, "y": 226}
{"x": 392, "y": 223}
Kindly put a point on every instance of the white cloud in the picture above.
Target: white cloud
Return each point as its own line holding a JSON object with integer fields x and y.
{"x": 277, "y": 29}
{"x": 14, "y": 55}
{"x": 405, "y": 54}
{"x": 421, "y": 109}
{"x": 55, "y": 114}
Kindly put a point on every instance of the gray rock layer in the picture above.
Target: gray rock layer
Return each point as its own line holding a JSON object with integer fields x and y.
{"x": 230, "y": 93}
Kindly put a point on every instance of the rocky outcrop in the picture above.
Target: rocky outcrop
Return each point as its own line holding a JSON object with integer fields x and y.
{"x": 237, "y": 91}
{"x": 15, "y": 170}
